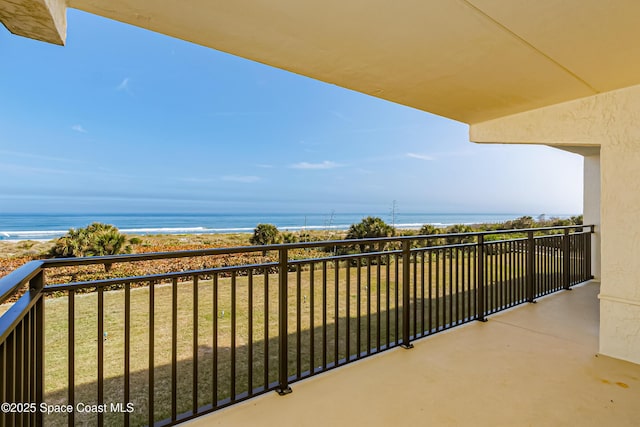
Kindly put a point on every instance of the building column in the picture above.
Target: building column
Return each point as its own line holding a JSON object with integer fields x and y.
{"x": 620, "y": 285}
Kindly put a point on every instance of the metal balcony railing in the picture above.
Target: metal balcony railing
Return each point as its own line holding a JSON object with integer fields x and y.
{"x": 164, "y": 348}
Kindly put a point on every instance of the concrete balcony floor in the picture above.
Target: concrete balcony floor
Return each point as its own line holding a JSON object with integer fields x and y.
{"x": 534, "y": 365}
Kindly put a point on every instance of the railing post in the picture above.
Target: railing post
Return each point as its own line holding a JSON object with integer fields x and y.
{"x": 588, "y": 237}
{"x": 480, "y": 283}
{"x": 566, "y": 260}
{"x": 406, "y": 294}
{"x": 531, "y": 263}
{"x": 283, "y": 305}
{"x": 37, "y": 284}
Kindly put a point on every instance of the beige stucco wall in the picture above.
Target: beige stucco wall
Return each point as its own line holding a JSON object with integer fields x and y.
{"x": 44, "y": 20}
{"x": 611, "y": 121}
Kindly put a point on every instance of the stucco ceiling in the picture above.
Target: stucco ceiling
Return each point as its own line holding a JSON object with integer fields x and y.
{"x": 469, "y": 60}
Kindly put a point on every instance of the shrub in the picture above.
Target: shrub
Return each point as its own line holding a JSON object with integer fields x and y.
{"x": 95, "y": 240}
{"x": 522, "y": 222}
{"x": 289, "y": 238}
{"x": 369, "y": 227}
{"x": 27, "y": 244}
{"x": 577, "y": 220}
{"x": 459, "y": 228}
{"x": 265, "y": 234}
{"x": 427, "y": 230}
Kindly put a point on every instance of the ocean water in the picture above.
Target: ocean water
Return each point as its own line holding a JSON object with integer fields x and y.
{"x": 50, "y": 226}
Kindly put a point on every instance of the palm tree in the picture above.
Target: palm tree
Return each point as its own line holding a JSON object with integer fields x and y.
{"x": 94, "y": 240}
{"x": 369, "y": 227}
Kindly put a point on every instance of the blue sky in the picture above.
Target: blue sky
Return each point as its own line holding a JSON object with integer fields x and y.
{"x": 125, "y": 120}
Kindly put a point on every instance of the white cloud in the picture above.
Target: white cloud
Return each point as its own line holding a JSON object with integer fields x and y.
{"x": 79, "y": 128}
{"x": 196, "y": 180}
{"x": 124, "y": 84}
{"x": 317, "y": 166}
{"x": 21, "y": 169}
{"x": 340, "y": 116}
{"x": 237, "y": 113}
{"x": 364, "y": 171}
{"x": 241, "y": 178}
{"x": 419, "y": 156}
{"x": 35, "y": 156}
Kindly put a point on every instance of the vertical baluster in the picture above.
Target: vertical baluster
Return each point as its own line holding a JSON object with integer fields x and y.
{"x": 464, "y": 283}
{"x": 471, "y": 282}
{"x": 174, "y": 349}
{"x": 502, "y": 279}
{"x": 32, "y": 362}
{"x": 283, "y": 330}
{"x": 234, "y": 329}
{"x": 495, "y": 286}
{"x": 548, "y": 264}
{"x": 36, "y": 284}
{"x": 573, "y": 252}
{"x": 480, "y": 274}
{"x": 406, "y": 294}
{"x": 510, "y": 273}
{"x": 388, "y": 316}
{"x": 312, "y": 353}
{"x": 18, "y": 364}
{"x": 359, "y": 307}
{"x": 525, "y": 271}
{"x": 422, "y": 296}
{"x": 100, "y": 353}
{"x": 10, "y": 375}
{"x": 551, "y": 263}
{"x": 546, "y": 267}
{"x": 28, "y": 364}
{"x": 71, "y": 382}
{"x": 324, "y": 315}
{"x": 589, "y": 240}
{"x": 456, "y": 272}
{"x": 430, "y": 290}
{"x": 489, "y": 281}
{"x": 127, "y": 348}
{"x": 194, "y": 384}
{"x": 266, "y": 328}
{"x": 530, "y": 266}
{"x": 250, "y": 309}
{"x": 214, "y": 342}
{"x": 368, "y": 306}
{"x": 567, "y": 259}
{"x": 586, "y": 272}
{"x": 298, "y": 320}
{"x": 583, "y": 258}
{"x": 438, "y": 299}
{"x": 397, "y": 281}
{"x": 414, "y": 308}
{"x": 378, "y": 306}
{"x": 348, "y": 310}
{"x": 336, "y": 302}
{"x": 150, "y": 403}
{"x": 450, "y": 277}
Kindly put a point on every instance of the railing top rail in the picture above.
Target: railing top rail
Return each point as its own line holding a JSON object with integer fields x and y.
{"x": 10, "y": 283}
{"x": 152, "y": 277}
{"x": 16, "y": 312}
{"x": 61, "y": 262}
